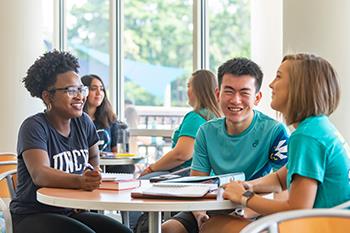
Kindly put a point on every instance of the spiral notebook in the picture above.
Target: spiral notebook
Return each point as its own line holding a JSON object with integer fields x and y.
{"x": 116, "y": 176}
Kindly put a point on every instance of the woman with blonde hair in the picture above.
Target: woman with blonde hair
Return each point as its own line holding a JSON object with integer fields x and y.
{"x": 201, "y": 97}
{"x": 306, "y": 91}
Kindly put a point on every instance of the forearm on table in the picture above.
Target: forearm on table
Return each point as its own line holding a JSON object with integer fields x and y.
{"x": 50, "y": 177}
{"x": 266, "y": 184}
{"x": 178, "y": 155}
{"x": 266, "y": 206}
{"x": 168, "y": 161}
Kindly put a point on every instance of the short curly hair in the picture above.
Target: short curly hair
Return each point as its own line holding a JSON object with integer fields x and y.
{"x": 43, "y": 73}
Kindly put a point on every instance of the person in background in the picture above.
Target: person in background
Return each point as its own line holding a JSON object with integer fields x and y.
{"x": 57, "y": 148}
{"x": 201, "y": 97}
{"x": 132, "y": 119}
{"x": 245, "y": 140}
{"x": 111, "y": 131}
{"x": 306, "y": 91}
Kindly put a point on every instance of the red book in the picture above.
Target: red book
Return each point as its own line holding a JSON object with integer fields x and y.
{"x": 120, "y": 184}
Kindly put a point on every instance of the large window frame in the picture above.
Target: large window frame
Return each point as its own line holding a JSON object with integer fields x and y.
{"x": 200, "y": 45}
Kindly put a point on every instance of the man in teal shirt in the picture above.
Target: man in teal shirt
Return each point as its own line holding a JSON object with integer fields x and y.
{"x": 245, "y": 140}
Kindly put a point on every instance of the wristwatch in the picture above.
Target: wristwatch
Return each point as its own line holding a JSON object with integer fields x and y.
{"x": 245, "y": 197}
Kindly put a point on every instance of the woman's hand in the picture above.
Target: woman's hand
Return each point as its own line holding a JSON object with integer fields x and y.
{"x": 147, "y": 171}
{"x": 234, "y": 190}
{"x": 90, "y": 180}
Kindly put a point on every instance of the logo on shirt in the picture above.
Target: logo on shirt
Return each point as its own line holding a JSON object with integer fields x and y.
{"x": 71, "y": 161}
{"x": 280, "y": 151}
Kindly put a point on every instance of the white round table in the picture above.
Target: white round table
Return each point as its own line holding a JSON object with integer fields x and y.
{"x": 122, "y": 200}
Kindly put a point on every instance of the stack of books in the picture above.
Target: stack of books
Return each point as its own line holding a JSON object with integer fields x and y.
{"x": 118, "y": 181}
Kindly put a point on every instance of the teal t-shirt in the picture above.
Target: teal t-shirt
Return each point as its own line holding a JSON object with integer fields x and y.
{"x": 258, "y": 149}
{"x": 189, "y": 127}
{"x": 318, "y": 151}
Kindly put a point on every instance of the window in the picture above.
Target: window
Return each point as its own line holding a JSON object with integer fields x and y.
{"x": 47, "y": 24}
{"x": 87, "y": 26}
{"x": 229, "y": 30}
{"x": 157, "y": 48}
{"x": 158, "y": 51}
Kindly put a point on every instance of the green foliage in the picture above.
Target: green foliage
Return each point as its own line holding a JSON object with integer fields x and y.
{"x": 160, "y": 32}
{"x": 229, "y": 30}
{"x": 91, "y": 27}
{"x": 138, "y": 95}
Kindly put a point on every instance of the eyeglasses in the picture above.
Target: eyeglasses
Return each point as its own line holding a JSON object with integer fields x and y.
{"x": 73, "y": 91}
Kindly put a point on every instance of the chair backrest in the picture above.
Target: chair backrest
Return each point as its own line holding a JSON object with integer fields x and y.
{"x": 8, "y": 161}
{"x": 311, "y": 221}
{"x": 8, "y": 178}
{"x": 8, "y": 156}
{"x": 345, "y": 205}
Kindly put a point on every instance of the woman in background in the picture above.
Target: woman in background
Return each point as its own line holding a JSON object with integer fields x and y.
{"x": 306, "y": 91}
{"x": 110, "y": 130}
{"x": 201, "y": 97}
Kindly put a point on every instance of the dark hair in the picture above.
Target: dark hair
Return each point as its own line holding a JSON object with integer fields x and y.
{"x": 43, "y": 73}
{"x": 104, "y": 115}
{"x": 241, "y": 66}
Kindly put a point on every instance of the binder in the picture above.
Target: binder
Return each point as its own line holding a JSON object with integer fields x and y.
{"x": 218, "y": 179}
{"x": 177, "y": 191}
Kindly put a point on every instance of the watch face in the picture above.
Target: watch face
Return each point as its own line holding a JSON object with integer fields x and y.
{"x": 248, "y": 194}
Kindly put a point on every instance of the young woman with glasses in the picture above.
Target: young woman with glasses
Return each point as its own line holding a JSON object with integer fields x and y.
{"x": 54, "y": 149}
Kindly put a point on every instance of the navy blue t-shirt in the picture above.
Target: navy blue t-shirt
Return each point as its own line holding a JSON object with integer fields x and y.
{"x": 68, "y": 154}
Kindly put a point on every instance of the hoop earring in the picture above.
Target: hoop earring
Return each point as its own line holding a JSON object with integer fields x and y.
{"x": 49, "y": 106}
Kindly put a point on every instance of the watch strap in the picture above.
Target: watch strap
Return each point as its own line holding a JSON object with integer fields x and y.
{"x": 245, "y": 197}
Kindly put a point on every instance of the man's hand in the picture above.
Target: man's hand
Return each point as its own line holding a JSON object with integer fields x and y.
{"x": 90, "y": 180}
{"x": 201, "y": 217}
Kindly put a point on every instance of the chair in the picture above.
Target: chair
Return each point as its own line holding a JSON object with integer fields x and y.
{"x": 8, "y": 156}
{"x": 310, "y": 221}
{"x": 345, "y": 205}
{"x": 9, "y": 178}
{"x": 8, "y": 161}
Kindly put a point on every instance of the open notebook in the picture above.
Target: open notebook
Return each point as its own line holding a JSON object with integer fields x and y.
{"x": 175, "y": 190}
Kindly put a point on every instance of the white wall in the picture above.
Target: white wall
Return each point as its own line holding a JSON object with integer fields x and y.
{"x": 266, "y": 42}
{"x": 322, "y": 27}
{"x": 20, "y": 45}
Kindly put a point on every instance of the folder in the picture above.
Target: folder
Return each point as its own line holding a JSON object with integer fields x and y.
{"x": 176, "y": 191}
